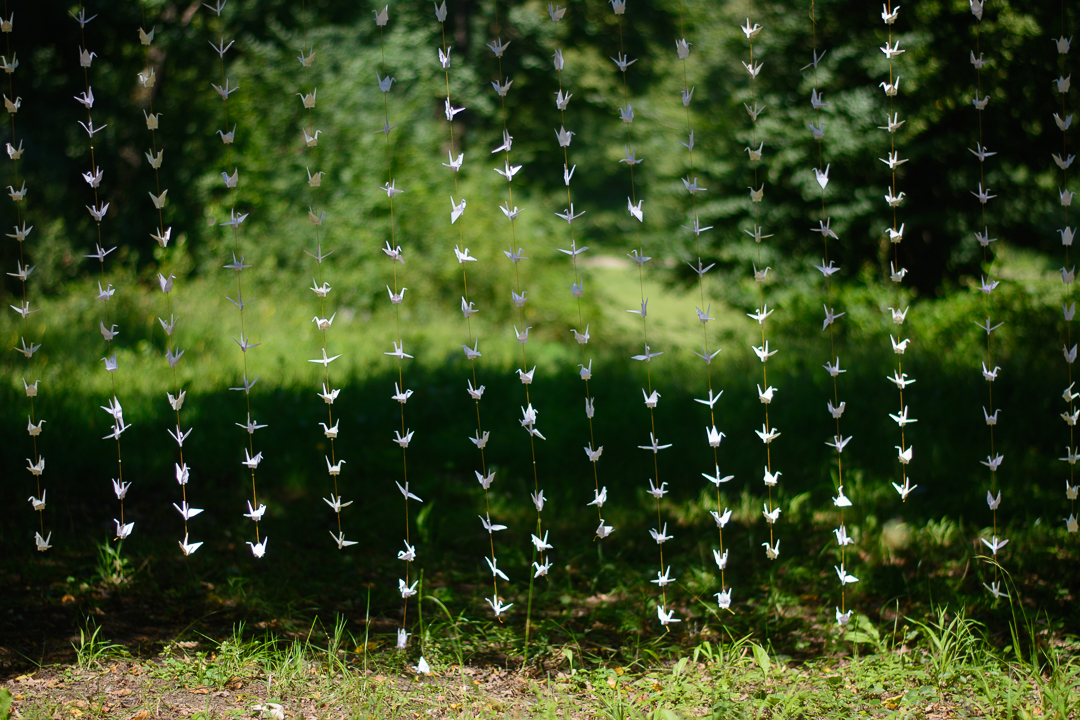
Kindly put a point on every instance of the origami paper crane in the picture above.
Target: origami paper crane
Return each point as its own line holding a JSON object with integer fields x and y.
{"x": 663, "y": 578}
{"x": 666, "y": 617}
{"x": 475, "y": 394}
{"x": 341, "y": 542}
{"x": 495, "y": 571}
{"x": 721, "y": 519}
{"x": 42, "y": 543}
{"x": 123, "y": 530}
{"x": 35, "y": 430}
{"x": 717, "y": 480}
{"x": 772, "y": 551}
{"x": 541, "y": 545}
{"x": 405, "y": 491}
{"x": 497, "y": 606}
{"x": 750, "y": 32}
{"x": 489, "y": 526}
{"x": 845, "y": 577}
{"x": 891, "y": 52}
{"x": 456, "y": 210}
{"x": 486, "y": 480}
{"x": 541, "y": 570}
{"x": 221, "y": 48}
{"x": 631, "y": 157}
{"x": 188, "y": 548}
{"x": 905, "y": 490}
{"x": 994, "y": 544}
{"x": 763, "y": 351}
{"x": 771, "y": 516}
{"x": 258, "y": 549}
{"x": 707, "y": 356}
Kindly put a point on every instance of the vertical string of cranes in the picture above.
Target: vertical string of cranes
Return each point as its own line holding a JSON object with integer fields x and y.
{"x": 652, "y": 397}
{"x": 894, "y": 198}
{"x": 162, "y": 235}
{"x": 1068, "y": 308}
{"x": 98, "y": 211}
{"x": 767, "y": 434}
{"x": 988, "y": 285}
{"x": 23, "y": 270}
{"x": 403, "y": 436}
{"x": 712, "y": 435}
{"x": 468, "y": 309}
{"x": 319, "y": 285}
{"x": 251, "y": 461}
{"x": 577, "y": 289}
{"x": 828, "y": 268}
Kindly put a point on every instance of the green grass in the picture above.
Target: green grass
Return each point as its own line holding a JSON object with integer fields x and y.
{"x": 925, "y": 632}
{"x": 913, "y": 669}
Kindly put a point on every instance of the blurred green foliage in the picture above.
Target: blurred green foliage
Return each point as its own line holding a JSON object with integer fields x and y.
{"x": 938, "y": 83}
{"x": 939, "y": 249}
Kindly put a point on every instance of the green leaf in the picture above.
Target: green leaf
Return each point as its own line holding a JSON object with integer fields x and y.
{"x": 762, "y": 658}
{"x": 5, "y": 704}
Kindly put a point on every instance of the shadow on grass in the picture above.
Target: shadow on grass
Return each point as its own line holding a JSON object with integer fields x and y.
{"x": 598, "y": 600}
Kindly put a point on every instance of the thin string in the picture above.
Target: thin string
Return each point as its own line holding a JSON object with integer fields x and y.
{"x": 660, "y": 527}
{"x": 705, "y": 346}
{"x": 758, "y": 191}
{"x": 988, "y": 284}
{"x": 836, "y": 409}
{"x": 1070, "y": 302}
{"x": 897, "y": 272}
{"x": 481, "y": 436}
{"x": 399, "y": 346}
{"x": 521, "y": 318}
{"x": 23, "y": 275}
{"x": 234, "y": 224}
{"x": 162, "y": 238}
{"x": 106, "y": 293}
{"x": 579, "y": 282}
{"x": 320, "y": 289}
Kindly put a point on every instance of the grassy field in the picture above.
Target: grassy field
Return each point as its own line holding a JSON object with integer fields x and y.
{"x": 312, "y": 628}
{"x": 939, "y": 668}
